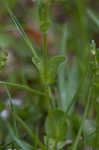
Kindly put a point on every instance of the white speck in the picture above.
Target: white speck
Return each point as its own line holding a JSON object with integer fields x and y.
{"x": 4, "y": 114}
{"x": 15, "y": 101}
{"x": 93, "y": 41}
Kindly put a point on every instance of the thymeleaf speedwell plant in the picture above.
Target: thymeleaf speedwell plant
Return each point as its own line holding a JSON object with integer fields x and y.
{"x": 63, "y": 127}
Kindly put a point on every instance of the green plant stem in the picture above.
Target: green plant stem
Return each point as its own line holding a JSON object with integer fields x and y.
{"x": 83, "y": 119}
{"x": 50, "y": 114}
{"x": 22, "y": 87}
{"x": 46, "y": 86}
{"x": 45, "y": 56}
{"x": 12, "y": 111}
{"x": 53, "y": 103}
{"x": 13, "y": 114}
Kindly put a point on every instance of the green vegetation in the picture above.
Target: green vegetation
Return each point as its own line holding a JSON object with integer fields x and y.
{"x": 49, "y": 75}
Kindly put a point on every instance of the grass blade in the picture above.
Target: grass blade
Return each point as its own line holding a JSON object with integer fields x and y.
{"x": 94, "y": 18}
{"x": 20, "y": 29}
{"x": 22, "y": 87}
{"x": 83, "y": 119}
{"x": 74, "y": 99}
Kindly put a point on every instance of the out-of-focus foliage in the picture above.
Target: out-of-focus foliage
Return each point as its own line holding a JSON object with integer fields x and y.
{"x": 73, "y": 68}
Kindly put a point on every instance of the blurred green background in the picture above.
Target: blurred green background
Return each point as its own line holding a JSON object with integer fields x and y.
{"x": 73, "y": 25}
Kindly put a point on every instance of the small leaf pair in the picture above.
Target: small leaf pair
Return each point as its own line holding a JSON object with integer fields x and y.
{"x": 43, "y": 15}
{"x": 53, "y": 65}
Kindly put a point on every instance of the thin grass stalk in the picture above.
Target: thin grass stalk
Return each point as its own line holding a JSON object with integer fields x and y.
{"x": 13, "y": 114}
{"x": 74, "y": 147}
{"x": 19, "y": 27}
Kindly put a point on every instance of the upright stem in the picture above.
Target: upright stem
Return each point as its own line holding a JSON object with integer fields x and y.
{"x": 46, "y": 86}
{"x": 45, "y": 56}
